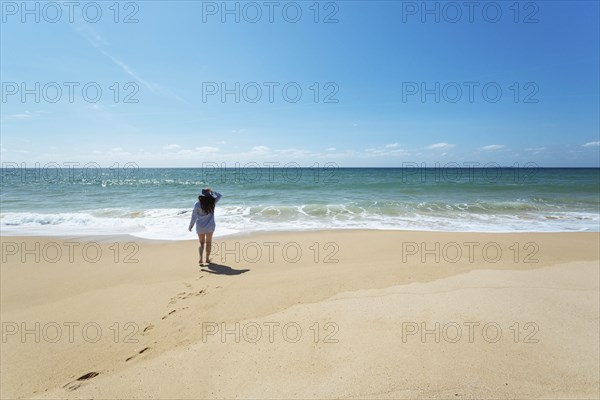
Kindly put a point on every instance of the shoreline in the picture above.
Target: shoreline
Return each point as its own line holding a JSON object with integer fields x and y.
{"x": 366, "y": 282}
{"x": 106, "y": 238}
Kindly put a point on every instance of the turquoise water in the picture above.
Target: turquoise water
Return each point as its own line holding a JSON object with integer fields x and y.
{"x": 156, "y": 202}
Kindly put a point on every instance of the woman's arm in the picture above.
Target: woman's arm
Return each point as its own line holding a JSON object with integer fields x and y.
{"x": 218, "y": 196}
{"x": 194, "y": 217}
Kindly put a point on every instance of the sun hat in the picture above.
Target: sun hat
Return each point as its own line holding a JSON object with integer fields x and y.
{"x": 206, "y": 193}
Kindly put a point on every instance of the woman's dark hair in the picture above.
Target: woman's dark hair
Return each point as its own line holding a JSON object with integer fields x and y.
{"x": 207, "y": 203}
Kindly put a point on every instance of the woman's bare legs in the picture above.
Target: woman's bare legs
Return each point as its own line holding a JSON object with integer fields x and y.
{"x": 208, "y": 245}
{"x": 202, "y": 239}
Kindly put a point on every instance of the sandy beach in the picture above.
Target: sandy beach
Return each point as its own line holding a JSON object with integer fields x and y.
{"x": 327, "y": 314}
{"x": 404, "y": 197}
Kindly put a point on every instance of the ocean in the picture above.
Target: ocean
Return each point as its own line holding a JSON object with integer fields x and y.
{"x": 156, "y": 203}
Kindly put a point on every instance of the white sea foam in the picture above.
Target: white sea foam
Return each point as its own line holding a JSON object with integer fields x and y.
{"x": 172, "y": 224}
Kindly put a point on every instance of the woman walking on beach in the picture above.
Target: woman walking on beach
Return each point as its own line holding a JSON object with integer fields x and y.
{"x": 204, "y": 218}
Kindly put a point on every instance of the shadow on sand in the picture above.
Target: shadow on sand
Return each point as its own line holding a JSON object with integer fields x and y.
{"x": 223, "y": 270}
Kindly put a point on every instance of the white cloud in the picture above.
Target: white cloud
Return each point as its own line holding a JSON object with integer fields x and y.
{"x": 15, "y": 151}
{"x": 591, "y": 144}
{"x": 19, "y": 117}
{"x": 442, "y": 145}
{"x": 260, "y": 149}
{"x": 331, "y": 149}
{"x": 118, "y": 151}
{"x": 391, "y": 145}
{"x": 535, "y": 150}
{"x": 493, "y": 147}
{"x": 25, "y": 115}
{"x": 385, "y": 151}
{"x": 221, "y": 142}
{"x": 294, "y": 153}
{"x": 172, "y": 147}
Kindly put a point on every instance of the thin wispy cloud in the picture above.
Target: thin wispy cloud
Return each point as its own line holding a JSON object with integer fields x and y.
{"x": 442, "y": 145}
{"x": 387, "y": 150}
{"x": 260, "y": 149}
{"x": 535, "y": 150}
{"x": 591, "y": 144}
{"x": 24, "y": 116}
{"x": 99, "y": 43}
{"x": 129, "y": 71}
{"x": 18, "y": 117}
{"x": 493, "y": 147}
{"x": 19, "y": 151}
{"x": 89, "y": 34}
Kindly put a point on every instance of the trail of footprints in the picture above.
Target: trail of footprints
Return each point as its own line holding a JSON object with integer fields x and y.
{"x": 75, "y": 384}
{"x": 184, "y": 296}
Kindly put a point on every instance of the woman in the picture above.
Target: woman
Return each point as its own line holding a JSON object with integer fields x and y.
{"x": 204, "y": 218}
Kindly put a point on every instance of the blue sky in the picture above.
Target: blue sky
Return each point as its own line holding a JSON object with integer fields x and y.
{"x": 373, "y": 63}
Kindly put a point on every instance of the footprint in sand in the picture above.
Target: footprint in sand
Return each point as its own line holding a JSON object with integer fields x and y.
{"x": 171, "y": 312}
{"x": 139, "y": 352}
{"x": 73, "y": 385}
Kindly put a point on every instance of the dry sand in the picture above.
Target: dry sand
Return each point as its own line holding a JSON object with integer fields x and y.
{"x": 332, "y": 314}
